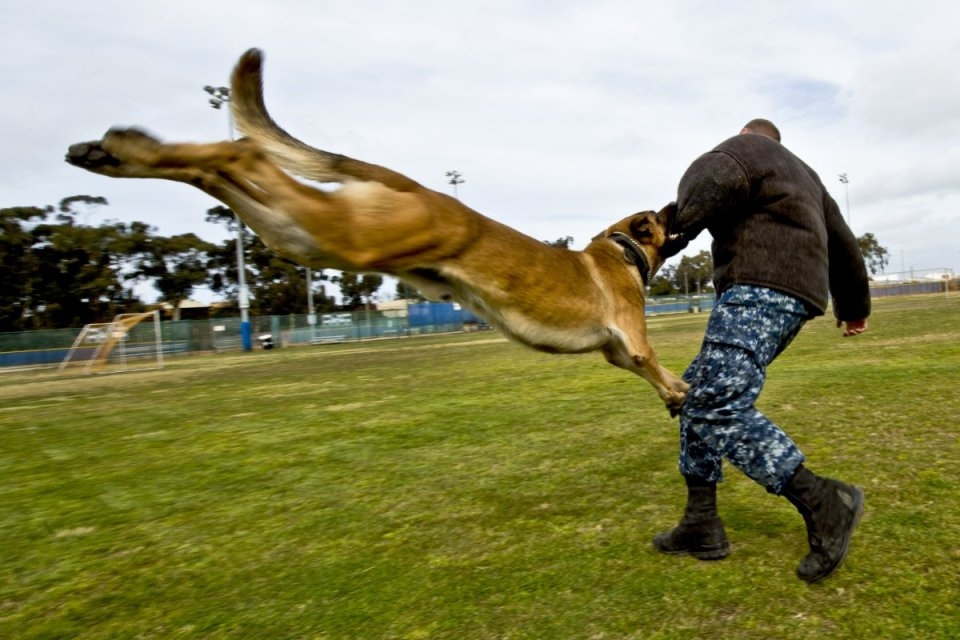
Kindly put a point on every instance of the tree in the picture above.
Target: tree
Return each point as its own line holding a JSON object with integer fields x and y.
{"x": 662, "y": 283}
{"x": 356, "y": 289}
{"x": 16, "y": 266}
{"x": 176, "y": 265}
{"x": 694, "y": 273}
{"x": 66, "y": 204}
{"x": 406, "y": 292}
{"x": 222, "y": 267}
{"x": 563, "y": 243}
{"x": 874, "y": 255}
{"x": 56, "y": 272}
{"x": 277, "y": 286}
{"x": 76, "y": 272}
{"x": 60, "y": 273}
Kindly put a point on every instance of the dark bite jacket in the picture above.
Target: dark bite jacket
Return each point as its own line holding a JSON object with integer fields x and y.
{"x": 773, "y": 225}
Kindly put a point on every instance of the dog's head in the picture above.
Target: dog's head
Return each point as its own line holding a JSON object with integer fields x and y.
{"x": 641, "y": 236}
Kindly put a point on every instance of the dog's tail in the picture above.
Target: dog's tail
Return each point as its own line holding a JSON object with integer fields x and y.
{"x": 253, "y": 121}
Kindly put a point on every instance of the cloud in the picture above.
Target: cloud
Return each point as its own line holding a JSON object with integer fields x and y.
{"x": 911, "y": 93}
{"x": 561, "y": 115}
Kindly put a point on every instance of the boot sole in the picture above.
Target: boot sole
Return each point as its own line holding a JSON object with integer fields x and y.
{"x": 711, "y": 554}
{"x": 845, "y": 548}
{"x": 718, "y": 553}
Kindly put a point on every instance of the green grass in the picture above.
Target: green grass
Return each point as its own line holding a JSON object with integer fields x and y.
{"x": 466, "y": 488}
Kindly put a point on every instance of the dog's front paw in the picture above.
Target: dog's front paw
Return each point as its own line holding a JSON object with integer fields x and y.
{"x": 674, "y": 401}
{"x": 90, "y": 156}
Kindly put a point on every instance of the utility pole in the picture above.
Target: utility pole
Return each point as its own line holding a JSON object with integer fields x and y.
{"x": 455, "y": 178}
{"x": 311, "y": 316}
{"x": 846, "y": 189}
{"x": 218, "y": 97}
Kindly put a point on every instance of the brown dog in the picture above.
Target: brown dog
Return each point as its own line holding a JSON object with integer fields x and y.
{"x": 545, "y": 297}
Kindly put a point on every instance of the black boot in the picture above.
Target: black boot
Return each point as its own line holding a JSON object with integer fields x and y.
{"x": 700, "y": 532}
{"x": 831, "y": 510}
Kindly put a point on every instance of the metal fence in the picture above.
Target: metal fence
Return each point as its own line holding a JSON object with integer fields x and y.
{"x": 181, "y": 337}
{"x": 914, "y": 282}
{"x": 48, "y": 348}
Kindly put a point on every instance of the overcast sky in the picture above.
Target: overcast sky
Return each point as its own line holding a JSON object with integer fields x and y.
{"x": 561, "y": 116}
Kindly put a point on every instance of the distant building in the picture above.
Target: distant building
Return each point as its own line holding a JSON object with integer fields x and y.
{"x": 193, "y": 309}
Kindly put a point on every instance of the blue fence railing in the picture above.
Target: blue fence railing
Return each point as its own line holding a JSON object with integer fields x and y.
{"x": 49, "y": 348}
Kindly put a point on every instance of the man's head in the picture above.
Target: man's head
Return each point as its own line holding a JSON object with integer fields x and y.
{"x": 762, "y": 127}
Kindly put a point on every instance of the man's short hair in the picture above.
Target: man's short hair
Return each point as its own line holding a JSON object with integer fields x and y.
{"x": 763, "y": 127}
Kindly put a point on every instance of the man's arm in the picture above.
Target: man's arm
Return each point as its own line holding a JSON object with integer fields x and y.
{"x": 849, "y": 284}
{"x": 713, "y": 185}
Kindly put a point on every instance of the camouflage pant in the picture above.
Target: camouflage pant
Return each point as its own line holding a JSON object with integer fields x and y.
{"x": 748, "y": 328}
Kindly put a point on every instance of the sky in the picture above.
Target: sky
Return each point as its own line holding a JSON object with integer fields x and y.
{"x": 561, "y": 116}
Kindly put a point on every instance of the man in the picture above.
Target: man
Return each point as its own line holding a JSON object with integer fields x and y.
{"x": 779, "y": 246}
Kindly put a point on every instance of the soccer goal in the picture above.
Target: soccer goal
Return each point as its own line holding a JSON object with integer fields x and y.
{"x": 126, "y": 343}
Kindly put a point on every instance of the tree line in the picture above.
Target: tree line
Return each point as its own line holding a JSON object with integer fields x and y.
{"x": 57, "y": 272}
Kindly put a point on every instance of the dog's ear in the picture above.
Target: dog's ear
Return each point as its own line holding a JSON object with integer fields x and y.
{"x": 643, "y": 227}
{"x": 668, "y": 214}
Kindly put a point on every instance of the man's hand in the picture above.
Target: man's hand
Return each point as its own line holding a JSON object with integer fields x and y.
{"x": 854, "y": 327}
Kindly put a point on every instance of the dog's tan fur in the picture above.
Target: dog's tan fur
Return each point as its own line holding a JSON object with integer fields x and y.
{"x": 548, "y": 298}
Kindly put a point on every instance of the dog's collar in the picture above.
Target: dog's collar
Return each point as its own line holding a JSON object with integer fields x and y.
{"x": 633, "y": 254}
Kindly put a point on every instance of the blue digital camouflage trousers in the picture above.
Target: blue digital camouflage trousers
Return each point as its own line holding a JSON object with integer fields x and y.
{"x": 748, "y": 328}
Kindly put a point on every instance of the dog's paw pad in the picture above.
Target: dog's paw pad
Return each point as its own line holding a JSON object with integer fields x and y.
{"x": 90, "y": 155}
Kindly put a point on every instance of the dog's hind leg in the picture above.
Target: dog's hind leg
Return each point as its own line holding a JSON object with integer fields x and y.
{"x": 132, "y": 153}
{"x": 365, "y": 226}
{"x": 237, "y": 173}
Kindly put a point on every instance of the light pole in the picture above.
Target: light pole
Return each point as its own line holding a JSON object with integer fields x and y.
{"x": 311, "y": 316}
{"x": 218, "y": 97}
{"x": 846, "y": 190}
{"x": 455, "y": 178}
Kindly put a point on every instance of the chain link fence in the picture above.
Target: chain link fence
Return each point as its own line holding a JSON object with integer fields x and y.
{"x": 48, "y": 348}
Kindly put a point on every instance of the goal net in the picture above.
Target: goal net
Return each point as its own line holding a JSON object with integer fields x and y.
{"x": 126, "y": 343}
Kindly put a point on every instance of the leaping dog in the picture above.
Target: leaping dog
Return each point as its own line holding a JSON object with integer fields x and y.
{"x": 547, "y": 298}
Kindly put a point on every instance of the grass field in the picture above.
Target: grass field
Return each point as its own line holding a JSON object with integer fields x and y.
{"x": 465, "y": 488}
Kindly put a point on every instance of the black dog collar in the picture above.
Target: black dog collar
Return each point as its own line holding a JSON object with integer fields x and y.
{"x": 633, "y": 254}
